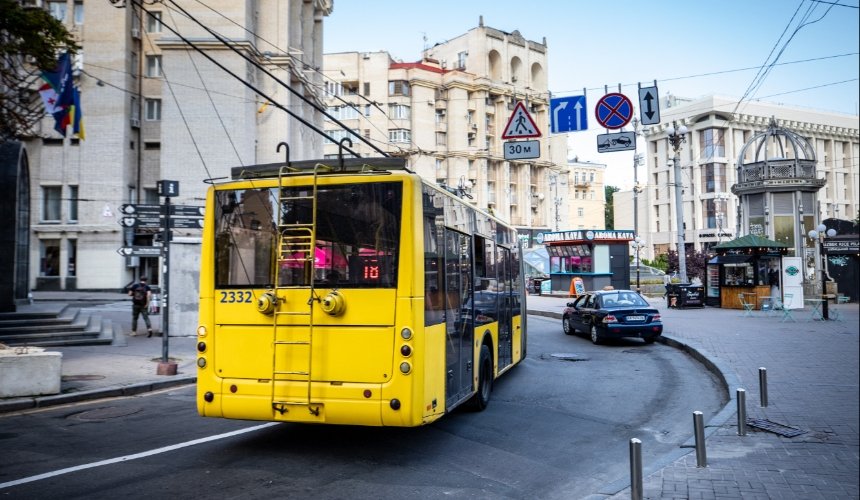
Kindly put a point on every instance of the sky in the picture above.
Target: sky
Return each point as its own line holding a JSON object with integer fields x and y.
{"x": 691, "y": 48}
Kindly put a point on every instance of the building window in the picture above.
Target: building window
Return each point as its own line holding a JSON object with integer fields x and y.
{"x": 398, "y": 111}
{"x": 151, "y": 146}
{"x": 49, "y": 264}
{"x": 580, "y": 212}
{"x": 440, "y": 116}
{"x": 153, "y": 22}
{"x": 153, "y": 109}
{"x": 79, "y": 12}
{"x": 441, "y": 139}
{"x": 135, "y": 63}
{"x": 342, "y": 112}
{"x": 51, "y": 196}
{"x": 73, "y": 203}
{"x": 398, "y": 87}
{"x": 58, "y": 10}
{"x": 153, "y": 66}
{"x": 461, "y": 59}
{"x": 150, "y": 196}
{"x": 399, "y": 135}
{"x": 366, "y": 89}
{"x": 338, "y": 135}
{"x": 714, "y": 178}
{"x": 73, "y": 258}
{"x": 712, "y": 142}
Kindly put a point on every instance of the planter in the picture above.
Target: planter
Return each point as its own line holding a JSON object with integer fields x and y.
{"x": 29, "y": 371}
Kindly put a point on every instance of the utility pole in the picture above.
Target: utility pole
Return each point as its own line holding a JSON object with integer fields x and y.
{"x": 677, "y": 136}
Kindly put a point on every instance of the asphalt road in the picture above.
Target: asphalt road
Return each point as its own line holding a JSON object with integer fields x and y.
{"x": 558, "y": 426}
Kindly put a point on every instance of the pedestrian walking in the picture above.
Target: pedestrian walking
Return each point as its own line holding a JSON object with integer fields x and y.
{"x": 140, "y": 295}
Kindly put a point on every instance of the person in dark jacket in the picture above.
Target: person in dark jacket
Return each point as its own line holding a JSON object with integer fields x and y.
{"x": 140, "y": 295}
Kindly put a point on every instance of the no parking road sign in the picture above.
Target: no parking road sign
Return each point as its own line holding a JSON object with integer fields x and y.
{"x": 614, "y": 110}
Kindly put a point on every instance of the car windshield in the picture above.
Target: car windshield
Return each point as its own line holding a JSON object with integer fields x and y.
{"x": 622, "y": 299}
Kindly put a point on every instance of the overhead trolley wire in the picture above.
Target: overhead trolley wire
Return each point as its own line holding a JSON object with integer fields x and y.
{"x": 231, "y": 46}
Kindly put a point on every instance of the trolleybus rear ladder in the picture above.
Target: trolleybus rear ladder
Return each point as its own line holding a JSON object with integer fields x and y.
{"x": 296, "y": 247}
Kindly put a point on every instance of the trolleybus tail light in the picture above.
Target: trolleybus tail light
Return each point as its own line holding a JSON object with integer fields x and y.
{"x": 405, "y": 367}
{"x": 406, "y": 334}
{"x": 201, "y": 362}
{"x": 208, "y": 397}
{"x": 405, "y": 350}
{"x": 367, "y": 393}
{"x": 201, "y": 347}
{"x": 394, "y": 404}
{"x": 201, "y": 331}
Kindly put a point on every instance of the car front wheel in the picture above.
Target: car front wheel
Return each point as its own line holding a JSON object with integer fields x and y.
{"x": 567, "y": 327}
{"x": 595, "y": 336}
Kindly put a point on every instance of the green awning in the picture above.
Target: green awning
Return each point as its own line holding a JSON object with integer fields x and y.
{"x": 750, "y": 241}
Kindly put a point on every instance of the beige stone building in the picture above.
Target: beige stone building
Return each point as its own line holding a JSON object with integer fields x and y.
{"x": 447, "y": 114}
{"x": 709, "y": 165}
{"x": 156, "y": 109}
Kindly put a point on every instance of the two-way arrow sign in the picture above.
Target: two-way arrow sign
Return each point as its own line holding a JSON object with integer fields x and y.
{"x": 649, "y": 105}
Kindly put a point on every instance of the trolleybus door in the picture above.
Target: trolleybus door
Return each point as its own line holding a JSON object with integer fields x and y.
{"x": 459, "y": 324}
{"x": 506, "y": 306}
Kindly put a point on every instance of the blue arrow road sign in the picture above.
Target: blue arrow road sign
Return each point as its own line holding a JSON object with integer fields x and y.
{"x": 569, "y": 114}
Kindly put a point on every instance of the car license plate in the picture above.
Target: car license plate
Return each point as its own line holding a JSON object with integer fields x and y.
{"x": 635, "y": 318}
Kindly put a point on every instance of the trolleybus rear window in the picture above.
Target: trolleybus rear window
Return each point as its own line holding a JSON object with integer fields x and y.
{"x": 357, "y": 236}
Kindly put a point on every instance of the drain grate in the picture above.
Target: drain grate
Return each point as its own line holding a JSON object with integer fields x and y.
{"x": 782, "y": 430}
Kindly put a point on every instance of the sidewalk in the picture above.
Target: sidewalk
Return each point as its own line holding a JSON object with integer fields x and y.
{"x": 812, "y": 374}
{"x": 812, "y": 385}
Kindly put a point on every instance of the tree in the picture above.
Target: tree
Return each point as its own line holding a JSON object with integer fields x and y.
{"x": 609, "y": 211}
{"x": 696, "y": 263}
{"x": 30, "y": 39}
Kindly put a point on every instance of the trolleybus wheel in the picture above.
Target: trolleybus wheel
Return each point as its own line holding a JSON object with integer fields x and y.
{"x": 485, "y": 381}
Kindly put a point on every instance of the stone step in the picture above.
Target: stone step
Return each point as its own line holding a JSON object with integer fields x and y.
{"x": 87, "y": 330}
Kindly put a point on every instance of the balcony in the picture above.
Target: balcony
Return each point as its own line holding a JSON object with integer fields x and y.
{"x": 777, "y": 175}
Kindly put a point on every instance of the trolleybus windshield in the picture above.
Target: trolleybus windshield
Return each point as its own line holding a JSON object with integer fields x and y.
{"x": 356, "y": 244}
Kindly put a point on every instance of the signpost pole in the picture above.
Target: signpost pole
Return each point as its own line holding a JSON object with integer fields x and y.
{"x": 166, "y": 281}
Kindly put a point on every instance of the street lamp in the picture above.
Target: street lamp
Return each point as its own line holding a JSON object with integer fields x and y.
{"x": 638, "y": 244}
{"x": 678, "y": 136}
{"x": 819, "y": 233}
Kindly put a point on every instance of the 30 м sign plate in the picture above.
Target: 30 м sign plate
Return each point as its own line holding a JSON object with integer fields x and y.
{"x": 521, "y": 150}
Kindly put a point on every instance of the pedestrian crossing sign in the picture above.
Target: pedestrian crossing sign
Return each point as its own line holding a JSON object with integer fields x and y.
{"x": 520, "y": 124}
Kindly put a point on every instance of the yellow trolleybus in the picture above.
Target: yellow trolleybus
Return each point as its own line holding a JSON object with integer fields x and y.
{"x": 352, "y": 292}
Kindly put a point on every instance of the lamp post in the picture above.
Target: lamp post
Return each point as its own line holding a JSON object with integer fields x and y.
{"x": 637, "y": 247}
{"x": 819, "y": 233}
{"x": 678, "y": 136}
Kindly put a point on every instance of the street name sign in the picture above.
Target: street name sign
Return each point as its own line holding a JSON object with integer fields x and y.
{"x": 138, "y": 251}
{"x": 141, "y": 222}
{"x": 569, "y": 114}
{"x": 521, "y": 150}
{"x": 186, "y": 223}
{"x": 520, "y": 124}
{"x": 649, "y": 105}
{"x": 620, "y": 141}
{"x": 136, "y": 209}
{"x": 187, "y": 210}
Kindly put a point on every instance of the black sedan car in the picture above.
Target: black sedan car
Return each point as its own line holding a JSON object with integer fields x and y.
{"x": 608, "y": 314}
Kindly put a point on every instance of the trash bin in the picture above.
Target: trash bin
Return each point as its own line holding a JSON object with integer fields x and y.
{"x": 538, "y": 283}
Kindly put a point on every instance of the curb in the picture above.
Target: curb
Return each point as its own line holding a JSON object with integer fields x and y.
{"x": 726, "y": 377}
{"x": 29, "y": 403}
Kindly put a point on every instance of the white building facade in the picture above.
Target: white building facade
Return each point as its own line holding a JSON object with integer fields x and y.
{"x": 154, "y": 108}
{"x": 709, "y": 166}
{"x": 447, "y": 114}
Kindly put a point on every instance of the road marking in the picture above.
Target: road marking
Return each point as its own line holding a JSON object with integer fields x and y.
{"x": 134, "y": 456}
